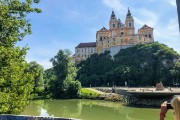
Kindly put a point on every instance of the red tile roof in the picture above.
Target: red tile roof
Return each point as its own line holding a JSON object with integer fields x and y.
{"x": 90, "y": 44}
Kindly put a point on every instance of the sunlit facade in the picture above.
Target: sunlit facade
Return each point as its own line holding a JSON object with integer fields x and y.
{"x": 118, "y": 36}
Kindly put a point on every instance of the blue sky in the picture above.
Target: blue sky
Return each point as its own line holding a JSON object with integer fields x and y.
{"x": 63, "y": 24}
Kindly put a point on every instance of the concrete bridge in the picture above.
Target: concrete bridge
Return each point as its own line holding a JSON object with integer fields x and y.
{"x": 142, "y": 91}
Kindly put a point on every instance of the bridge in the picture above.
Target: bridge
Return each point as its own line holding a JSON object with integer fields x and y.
{"x": 143, "y": 91}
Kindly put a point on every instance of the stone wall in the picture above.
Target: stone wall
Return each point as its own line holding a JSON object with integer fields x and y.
{"x": 146, "y": 102}
{"x": 115, "y": 49}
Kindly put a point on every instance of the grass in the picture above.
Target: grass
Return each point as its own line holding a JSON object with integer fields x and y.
{"x": 89, "y": 94}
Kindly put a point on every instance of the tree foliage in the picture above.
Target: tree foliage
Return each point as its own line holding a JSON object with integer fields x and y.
{"x": 64, "y": 85}
{"x": 91, "y": 72}
{"x": 14, "y": 25}
{"x": 16, "y": 82}
{"x": 38, "y": 72}
{"x": 175, "y": 72}
{"x": 49, "y": 75}
{"x": 141, "y": 65}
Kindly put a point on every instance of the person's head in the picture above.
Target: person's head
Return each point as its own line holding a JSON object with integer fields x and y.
{"x": 176, "y": 105}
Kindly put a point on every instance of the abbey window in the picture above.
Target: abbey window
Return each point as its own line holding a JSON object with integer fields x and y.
{"x": 149, "y": 35}
{"x": 100, "y": 38}
{"x": 114, "y": 25}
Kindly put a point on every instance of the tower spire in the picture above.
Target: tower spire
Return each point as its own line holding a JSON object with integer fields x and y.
{"x": 113, "y": 23}
{"x": 129, "y": 13}
{"x": 113, "y": 15}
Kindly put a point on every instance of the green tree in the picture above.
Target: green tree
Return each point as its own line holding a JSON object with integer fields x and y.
{"x": 175, "y": 72}
{"x": 16, "y": 81}
{"x": 38, "y": 71}
{"x": 153, "y": 61}
{"x": 140, "y": 65}
{"x": 65, "y": 86}
{"x": 92, "y": 70}
{"x": 49, "y": 75}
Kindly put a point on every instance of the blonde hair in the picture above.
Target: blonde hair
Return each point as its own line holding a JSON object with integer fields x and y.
{"x": 176, "y": 105}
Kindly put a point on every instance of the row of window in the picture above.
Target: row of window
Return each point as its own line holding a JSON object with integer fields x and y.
{"x": 83, "y": 55}
{"x": 101, "y": 38}
{"x": 147, "y": 36}
{"x": 114, "y": 40}
{"x": 113, "y": 44}
{"x": 146, "y": 33}
{"x": 85, "y": 50}
{"x": 114, "y": 25}
{"x": 122, "y": 41}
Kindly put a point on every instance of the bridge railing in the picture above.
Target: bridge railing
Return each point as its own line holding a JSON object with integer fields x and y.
{"x": 24, "y": 117}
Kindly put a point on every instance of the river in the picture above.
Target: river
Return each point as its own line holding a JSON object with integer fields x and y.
{"x": 91, "y": 110}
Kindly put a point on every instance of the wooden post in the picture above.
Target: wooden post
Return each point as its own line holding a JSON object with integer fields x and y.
{"x": 178, "y": 11}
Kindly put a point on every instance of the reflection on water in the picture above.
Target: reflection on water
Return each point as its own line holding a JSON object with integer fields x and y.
{"x": 91, "y": 110}
{"x": 44, "y": 113}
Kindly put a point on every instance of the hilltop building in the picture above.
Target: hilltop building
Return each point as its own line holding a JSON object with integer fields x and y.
{"x": 118, "y": 36}
{"x": 84, "y": 50}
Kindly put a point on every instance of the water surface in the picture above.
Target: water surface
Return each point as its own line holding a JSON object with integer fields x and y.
{"x": 91, "y": 110}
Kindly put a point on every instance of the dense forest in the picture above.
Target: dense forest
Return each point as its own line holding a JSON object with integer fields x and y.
{"x": 141, "y": 65}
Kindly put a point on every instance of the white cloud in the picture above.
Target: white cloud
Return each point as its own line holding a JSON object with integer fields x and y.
{"x": 115, "y": 4}
{"x": 42, "y": 54}
{"x": 45, "y": 63}
{"x": 172, "y": 2}
{"x": 147, "y": 17}
{"x": 169, "y": 34}
{"x": 75, "y": 15}
{"x": 169, "y": 31}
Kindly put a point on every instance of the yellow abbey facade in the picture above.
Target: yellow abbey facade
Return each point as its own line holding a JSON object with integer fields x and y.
{"x": 121, "y": 34}
{"x": 118, "y": 36}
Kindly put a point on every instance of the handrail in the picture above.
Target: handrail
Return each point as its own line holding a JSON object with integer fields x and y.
{"x": 26, "y": 117}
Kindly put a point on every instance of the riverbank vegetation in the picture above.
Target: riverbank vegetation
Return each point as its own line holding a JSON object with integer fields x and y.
{"x": 89, "y": 94}
{"x": 141, "y": 65}
{"x": 92, "y": 93}
{"x": 61, "y": 82}
{"x": 38, "y": 71}
{"x": 16, "y": 78}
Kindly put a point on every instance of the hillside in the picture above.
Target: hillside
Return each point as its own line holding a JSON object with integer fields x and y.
{"x": 141, "y": 65}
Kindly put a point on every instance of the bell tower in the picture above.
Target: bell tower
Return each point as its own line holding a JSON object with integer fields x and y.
{"x": 113, "y": 22}
{"x": 130, "y": 23}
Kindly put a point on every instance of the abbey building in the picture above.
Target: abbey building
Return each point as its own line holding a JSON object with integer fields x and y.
{"x": 118, "y": 36}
